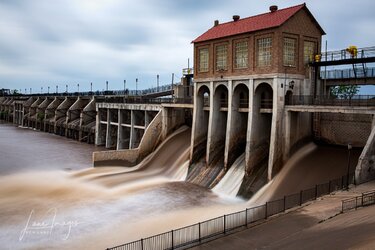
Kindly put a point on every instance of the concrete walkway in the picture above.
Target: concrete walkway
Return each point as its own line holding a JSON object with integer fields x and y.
{"x": 317, "y": 225}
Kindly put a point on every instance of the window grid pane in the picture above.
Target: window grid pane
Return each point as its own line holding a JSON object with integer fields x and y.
{"x": 221, "y": 57}
{"x": 241, "y": 55}
{"x": 289, "y": 51}
{"x": 264, "y": 51}
{"x": 203, "y": 60}
{"x": 308, "y": 51}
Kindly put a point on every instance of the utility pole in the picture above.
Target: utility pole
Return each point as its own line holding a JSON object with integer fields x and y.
{"x": 66, "y": 88}
{"x": 48, "y": 90}
{"x": 57, "y": 89}
{"x": 91, "y": 87}
{"x": 41, "y": 90}
{"x": 106, "y": 83}
{"x": 78, "y": 87}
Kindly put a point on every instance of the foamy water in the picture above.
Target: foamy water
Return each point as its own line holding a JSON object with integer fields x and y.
{"x": 231, "y": 182}
{"x": 94, "y": 208}
{"x": 102, "y": 207}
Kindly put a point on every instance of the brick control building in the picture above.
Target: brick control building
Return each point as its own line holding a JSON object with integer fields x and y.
{"x": 266, "y": 43}
{"x": 245, "y": 70}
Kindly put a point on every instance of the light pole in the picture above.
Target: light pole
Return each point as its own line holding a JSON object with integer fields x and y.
{"x": 91, "y": 87}
{"x": 48, "y": 90}
{"x": 78, "y": 87}
{"x": 348, "y": 169}
{"x": 41, "y": 90}
{"x": 106, "y": 85}
{"x": 57, "y": 89}
{"x": 66, "y": 88}
{"x": 136, "y": 86}
{"x": 157, "y": 83}
{"x": 124, "y": 86}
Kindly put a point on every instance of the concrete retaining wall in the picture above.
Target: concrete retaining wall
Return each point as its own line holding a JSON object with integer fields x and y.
{"x": 340, "y": 129}
{"x": 365, "y": 169}
{"x": 131, "y": 157}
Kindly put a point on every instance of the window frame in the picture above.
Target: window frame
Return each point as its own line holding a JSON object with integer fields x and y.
{"x": 207, "y": 68}
{"x": 245, "y": 54}
{"x": 290, "y": 54}
{"x": 223, "y": 57}
{"x": 314, "y": 51}
{"x": 266, "y": 54}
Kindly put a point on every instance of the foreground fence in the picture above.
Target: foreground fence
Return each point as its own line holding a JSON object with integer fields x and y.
{"x": 208, "y": 230}
{"x": 366, "y": 199}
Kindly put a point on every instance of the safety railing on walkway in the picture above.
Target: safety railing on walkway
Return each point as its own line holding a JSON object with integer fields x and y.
{"x": 344, "y": 54}
{"x": 366, "y": 199}
{"x": 196, "y": 234}
{"x": 141, "y": 100}
{"x": 132, "y": 92}
{"x": 347, "y": 74}
{"x": 356, "y": 100}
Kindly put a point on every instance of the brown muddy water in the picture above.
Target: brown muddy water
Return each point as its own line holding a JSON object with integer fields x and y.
{"x": 51, "y": 197}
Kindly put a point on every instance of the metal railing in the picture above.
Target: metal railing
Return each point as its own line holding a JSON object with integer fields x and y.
{"x": 343, "y": 54}
{"x": 161, "y": 88}
{"x": 347, "y": 74}
{"x": 196, "y": 234}
{"x": 141, "y": 100}
{"x": 366, "y": 199}
{"x": 356, "y": 100}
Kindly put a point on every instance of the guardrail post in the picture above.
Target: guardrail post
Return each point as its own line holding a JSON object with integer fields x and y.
{"x": 284, "y": 203}
{"x": 329, "y": 187}
{"x": 246, "y": 217}
{"x": 199, "y": 232}
{"x": 224, "y": 223}
{"x": 342, "y": 206}
{"x": 342, "y": 182}
{"x": 172, "y": 239}
{"x": 300, "y": 197}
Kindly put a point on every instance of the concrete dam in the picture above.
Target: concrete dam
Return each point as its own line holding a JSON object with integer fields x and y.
{"x": 233, "y": 133}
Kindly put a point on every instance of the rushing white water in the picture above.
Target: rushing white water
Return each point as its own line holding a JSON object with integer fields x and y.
{"x": 106, "y": 206}
{"x": 230, "y": 184}
{"x": 309, "y": 166}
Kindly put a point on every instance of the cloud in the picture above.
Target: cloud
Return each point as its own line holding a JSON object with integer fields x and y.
{"x": 44, "y": 43}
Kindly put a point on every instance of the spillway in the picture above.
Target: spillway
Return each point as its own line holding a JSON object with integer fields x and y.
{"x": 230, "y": 184}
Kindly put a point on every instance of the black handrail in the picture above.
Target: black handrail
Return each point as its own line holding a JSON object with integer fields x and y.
{"x": 210, "y": 229}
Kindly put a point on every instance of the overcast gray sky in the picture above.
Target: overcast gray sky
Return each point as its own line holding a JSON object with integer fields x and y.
{"x": 58, "y": 42}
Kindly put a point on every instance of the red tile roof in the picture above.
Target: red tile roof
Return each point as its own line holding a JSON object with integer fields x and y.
{"x": 251, "y": 24}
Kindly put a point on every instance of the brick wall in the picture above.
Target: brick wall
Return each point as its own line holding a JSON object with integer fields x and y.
{"x": 300, "y": 26}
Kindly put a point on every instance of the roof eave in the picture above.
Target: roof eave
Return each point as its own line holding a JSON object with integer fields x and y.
{"x": 248, "y": 32}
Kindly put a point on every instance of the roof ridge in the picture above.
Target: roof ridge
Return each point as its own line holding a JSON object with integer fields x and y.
{"x": 262, "y": 14}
